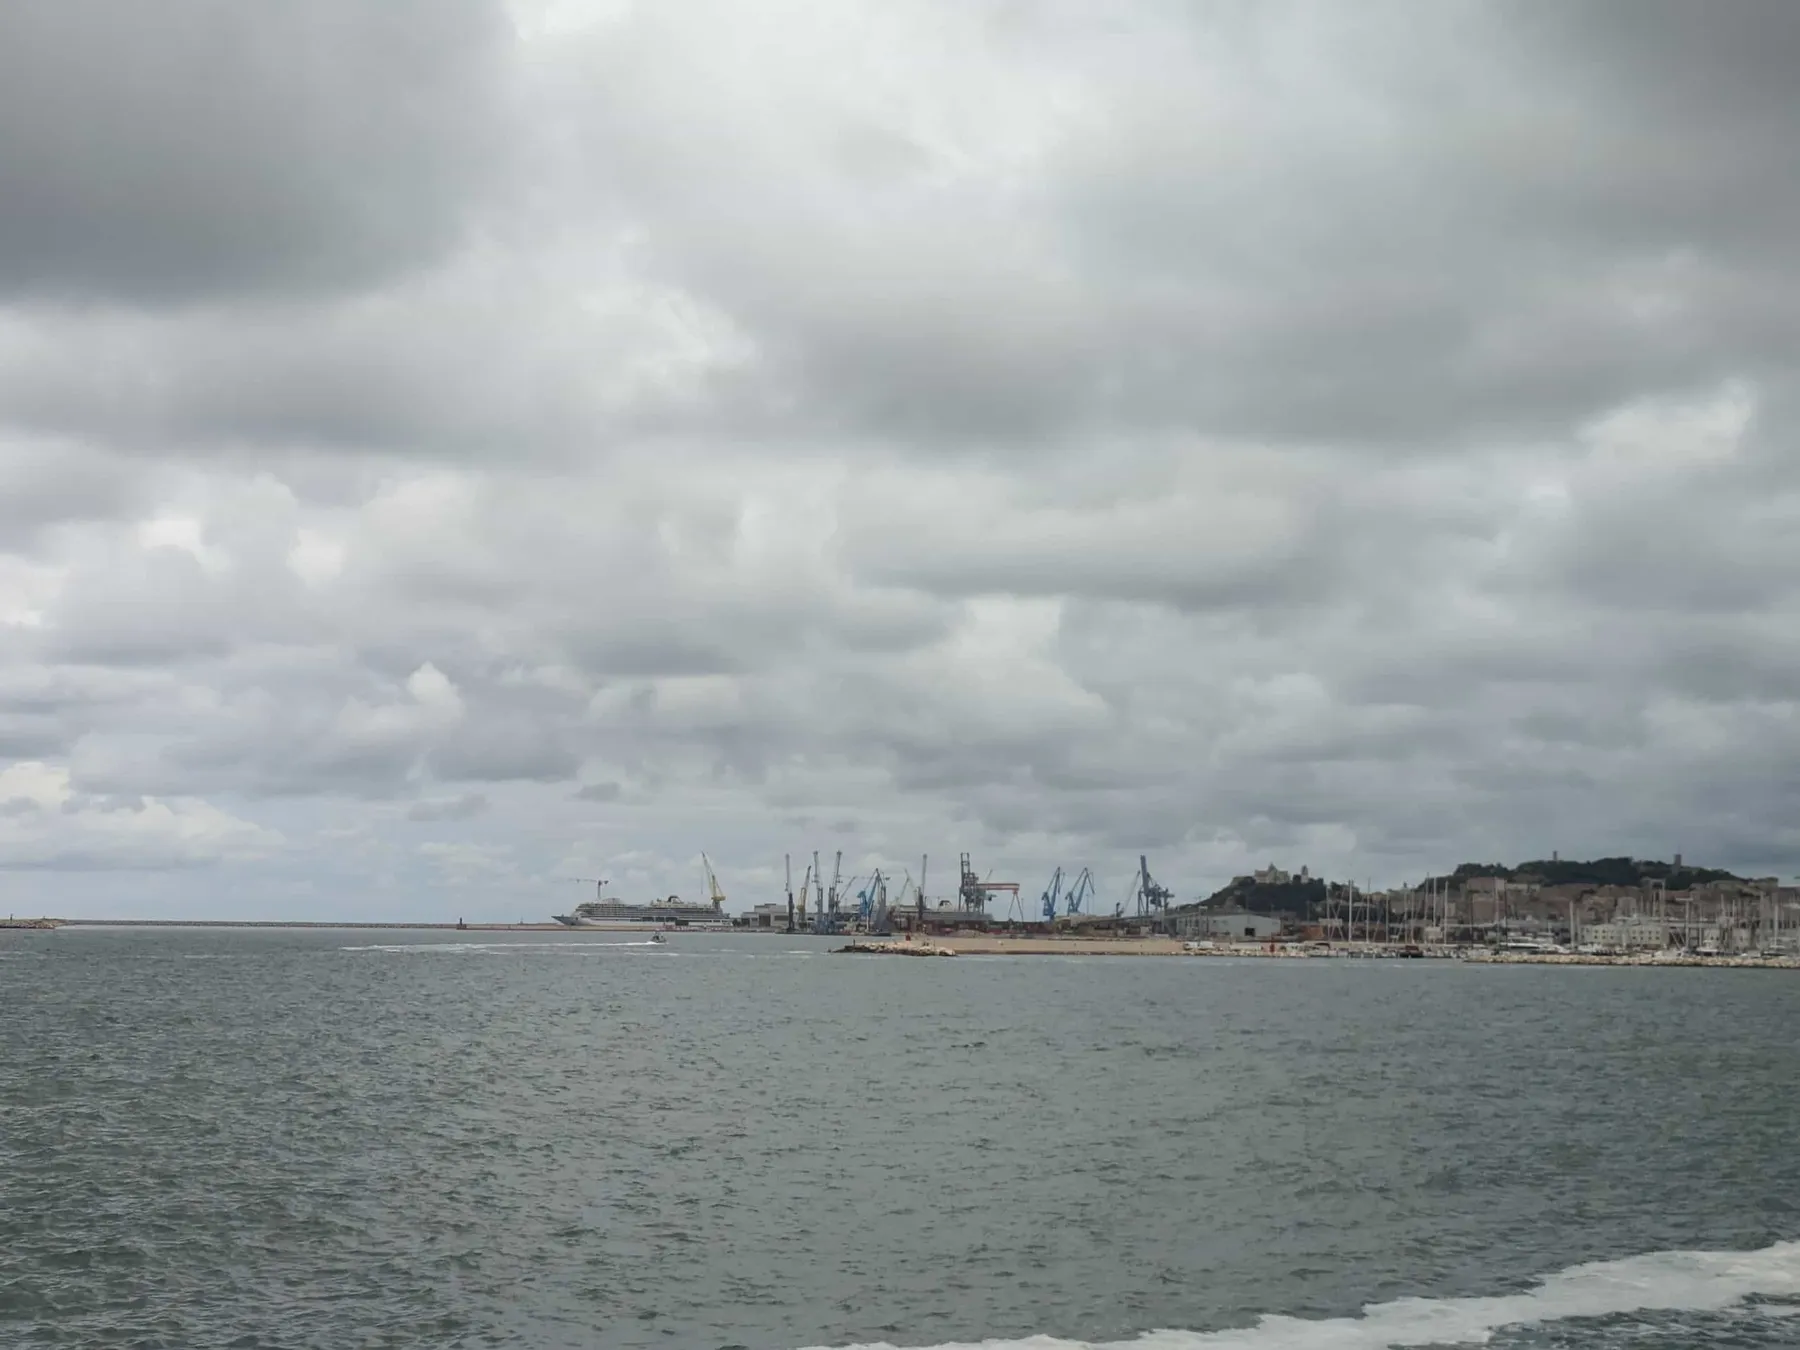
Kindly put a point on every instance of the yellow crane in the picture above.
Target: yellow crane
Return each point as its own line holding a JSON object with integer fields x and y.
{"x": 712, "y": 883}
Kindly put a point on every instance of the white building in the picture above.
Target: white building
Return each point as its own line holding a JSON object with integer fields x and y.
{"x": 1277, "y": 876}
{"x": 1627, "y": 933}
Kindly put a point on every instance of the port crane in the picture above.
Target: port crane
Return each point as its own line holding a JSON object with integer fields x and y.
{"x": 872, "y": 904}
{"x": 865, "y": 898}
{"x": 973, "y": 892}
{"x": 827, "y": 919}
{"x": 837, "y": 881}
{"x": 1052, "y": 893}
{"x": 818, "y": 880}
{"x": 713, "y": 892}
{"x": 1151, "y": 896}
{"x": 1079, "y": 893}
{"x": 805, "y": 886}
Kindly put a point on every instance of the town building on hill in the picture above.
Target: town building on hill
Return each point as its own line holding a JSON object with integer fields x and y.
{"x": 1278, "y": 876}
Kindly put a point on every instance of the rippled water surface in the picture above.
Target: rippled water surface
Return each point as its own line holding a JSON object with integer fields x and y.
{"x": 363, "y": 1139}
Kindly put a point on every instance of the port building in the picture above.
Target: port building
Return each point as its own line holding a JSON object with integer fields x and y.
{"x": 1237, "y": 924}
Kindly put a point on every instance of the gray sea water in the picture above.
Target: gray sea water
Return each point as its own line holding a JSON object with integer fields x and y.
{"x": 331, "y": 1139}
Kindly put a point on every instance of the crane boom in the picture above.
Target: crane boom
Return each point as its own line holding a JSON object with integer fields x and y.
{"x": 716, "y": 895}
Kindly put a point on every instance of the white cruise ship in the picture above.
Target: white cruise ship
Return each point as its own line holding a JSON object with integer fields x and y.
{"x": 603, "y": 912}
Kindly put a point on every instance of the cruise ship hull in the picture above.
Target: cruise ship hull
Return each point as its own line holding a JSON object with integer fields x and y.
{"x": 639, "y": 922}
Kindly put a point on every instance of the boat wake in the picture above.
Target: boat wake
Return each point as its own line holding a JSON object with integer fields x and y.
{"x": 1674, "y": 1282}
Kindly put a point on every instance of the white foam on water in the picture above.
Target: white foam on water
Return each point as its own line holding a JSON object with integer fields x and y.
{"x": 1675, "y": 1281}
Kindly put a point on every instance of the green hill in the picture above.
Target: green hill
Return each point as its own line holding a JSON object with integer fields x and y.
{"x": 1292, "y": 897}
{"x": 1598, "y": 872}
{"x": 1306, "y": 899}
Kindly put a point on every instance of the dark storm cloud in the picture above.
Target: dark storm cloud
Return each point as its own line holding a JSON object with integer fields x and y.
{"x": 31, "y": 737}
{"x": 44, "y": 484}
{"x": 1462, "y": 229}
{"x": 1716, "y": 68}
{"x": 202, "y": 148}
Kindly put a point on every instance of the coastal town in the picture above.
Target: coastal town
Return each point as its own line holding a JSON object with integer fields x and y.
{"x": 1607, "y": 910}
{"x": 1611, "y": 906}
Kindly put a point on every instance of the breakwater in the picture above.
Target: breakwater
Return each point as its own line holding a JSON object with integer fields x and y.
{"x": 309, "y": 924}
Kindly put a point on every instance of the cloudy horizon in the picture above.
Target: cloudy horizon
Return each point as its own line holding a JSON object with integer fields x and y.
{"x": 450, "y": 446}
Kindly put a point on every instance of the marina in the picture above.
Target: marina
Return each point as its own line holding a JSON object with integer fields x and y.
{"x": 1610, "y": 911}
{"x": 1297, "y": 951}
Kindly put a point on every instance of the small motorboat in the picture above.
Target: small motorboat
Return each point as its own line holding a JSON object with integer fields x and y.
{"x": 657, "y": 938}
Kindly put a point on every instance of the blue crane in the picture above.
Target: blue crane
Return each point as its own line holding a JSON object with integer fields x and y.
{"x": 1079, "y": 892}
{"x": 1151, "y": 894}
{"x": 872, "y": 905}
{"x": 1051, "y": 893}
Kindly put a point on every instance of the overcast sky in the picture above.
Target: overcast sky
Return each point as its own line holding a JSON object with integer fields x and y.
{"x": 447, "y": 446}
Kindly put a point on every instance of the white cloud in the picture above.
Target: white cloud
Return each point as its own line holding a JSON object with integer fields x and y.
{"x": 45, "y": 823}
{"x": 315, "y": 558}
{"x": 1230, "y": 434}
